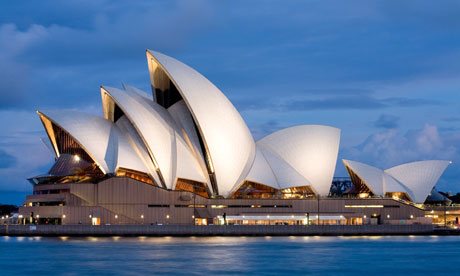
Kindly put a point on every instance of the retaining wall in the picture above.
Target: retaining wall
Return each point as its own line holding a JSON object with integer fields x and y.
{"x": 214, "y": 230}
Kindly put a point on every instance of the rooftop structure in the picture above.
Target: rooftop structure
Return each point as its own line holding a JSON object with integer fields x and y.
{"x": 184, "y": 155}
{"x": 411, "y": 181}
{"x": 187, "y": 136}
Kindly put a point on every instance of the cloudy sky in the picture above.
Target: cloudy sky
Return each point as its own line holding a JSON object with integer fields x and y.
{"x": 387, "y": 73}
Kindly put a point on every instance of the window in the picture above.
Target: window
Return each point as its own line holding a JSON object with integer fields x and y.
{"x": 255, "y": 190}
{"x": 192, "y": 186}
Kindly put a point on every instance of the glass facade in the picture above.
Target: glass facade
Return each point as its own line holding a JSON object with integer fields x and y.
{"x": 192, "y": 186}
{"x": 255, "y": 190}
{"x": 135, "y": 175}
{"x": 297, "y": 192}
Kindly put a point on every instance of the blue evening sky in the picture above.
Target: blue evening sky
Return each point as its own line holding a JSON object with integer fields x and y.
{"x": 387, "y": 73}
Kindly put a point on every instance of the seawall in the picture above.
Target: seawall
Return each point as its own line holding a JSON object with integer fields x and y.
{"x": 219, "y": 230}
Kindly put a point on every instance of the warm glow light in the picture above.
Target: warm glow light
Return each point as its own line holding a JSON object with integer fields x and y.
{"x": 167, "y": 216}
{"x": 193, "y": 216}
{"x": 37, "y": 216}
{"x": 63, "y": 216}
{"x": 90, "y": 216}
{"x": 142, "y": 216}
{"x": 219, "y": 206}
{"x": 363, "y": 206}
{"x": 116, "y": 216}
{"x": 411, "y": 216}
{"x": 20, "y": 216}
{"x": 363, "y": 195}
{"x": 76, "y": 157}
{"x": 388, "y": 216}
{"x": 364, "y": 216}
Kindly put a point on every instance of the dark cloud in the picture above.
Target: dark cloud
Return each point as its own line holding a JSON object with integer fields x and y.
{"x": 409, "y": 102}
{"x": 387, "y": 121}
{"x": 52, "y": 60}
{"x": 6, "y": 160}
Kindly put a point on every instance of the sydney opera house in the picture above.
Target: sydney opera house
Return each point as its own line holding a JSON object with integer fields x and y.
{"x": 184, "y": 155}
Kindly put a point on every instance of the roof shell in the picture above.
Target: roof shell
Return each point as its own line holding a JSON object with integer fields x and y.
{"x": 100, "y": 138}
{"x": 310, "y": 149}
{"x": 226, "y": 137}
{"x": 416, "y": 179}
{"x": 150, "y": 121}
{"x": 285, "y": 174}
{"x": 419, "y": 177}
{"x": 372, "y": 176}
{"x": 261, "y": 172}
{"x": 160, "y": 135}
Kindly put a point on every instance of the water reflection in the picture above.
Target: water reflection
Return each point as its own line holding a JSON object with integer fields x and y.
{"x": 269, "y": 255}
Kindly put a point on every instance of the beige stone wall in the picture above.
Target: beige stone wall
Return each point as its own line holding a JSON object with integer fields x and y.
{"x": 126, "y": 201}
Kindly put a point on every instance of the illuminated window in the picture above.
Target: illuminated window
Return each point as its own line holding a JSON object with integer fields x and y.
{"x": 398, "y": 196}
{"x": 255, "y": 190}
{"x": 192, "y": 186}
{"x": 134, "y": 175}
{"x": 297, "y": 192}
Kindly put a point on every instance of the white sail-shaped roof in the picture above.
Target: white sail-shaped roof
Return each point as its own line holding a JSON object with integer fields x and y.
{"x": 152, "y": 124}
{"x": 188, "y": 129}
{"x": 100, "y": 138}
{"x": 226, "y": 137}
{"x": 137, "y": 144}
{"x": 392, "y": 185}
{"x": 138, "y": 92}
{"x": 261, "y": 172}
{"x": 186, "y": 165}
{"x": 179, "y": 112}
{"x": 416, "y": 179}
{"x": 372, "y": 176}
{"x": 420, "y": 177}
{"x": 286, "y": 175}
{"x": 310, "y": 149}
{"x": 158, "y": 130}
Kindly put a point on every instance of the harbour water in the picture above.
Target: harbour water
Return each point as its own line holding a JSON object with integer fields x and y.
{"x": 405, "y": 255}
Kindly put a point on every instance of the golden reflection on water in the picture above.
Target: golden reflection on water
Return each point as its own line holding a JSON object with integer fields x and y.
{"x": 224, "y": 241}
